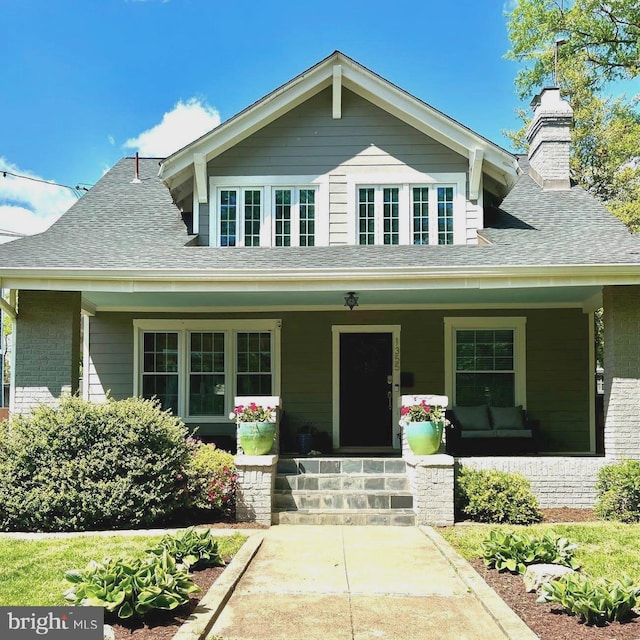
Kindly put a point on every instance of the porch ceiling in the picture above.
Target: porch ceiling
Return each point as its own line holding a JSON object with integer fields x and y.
{"x": 586, "y": 296}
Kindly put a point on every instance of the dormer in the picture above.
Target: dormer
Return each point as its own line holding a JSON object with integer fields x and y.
{"x": 338, "y": 156}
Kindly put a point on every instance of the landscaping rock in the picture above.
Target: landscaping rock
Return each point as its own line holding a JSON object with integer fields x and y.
{"x": 109, "y": 633}
{"x": 538, "y": 574}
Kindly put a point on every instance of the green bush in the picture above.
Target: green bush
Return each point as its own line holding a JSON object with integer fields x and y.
{"x": 496, "y": 496}
{"x": 83, "y": 465}
{"x": 594, "y": 601}
{"x": 194, "y": 549}
{"x": 511, "y": 551}
{"x": 130, "y": 588}
{"x": 210, "y": 477}
{"x": 618, "y": 490}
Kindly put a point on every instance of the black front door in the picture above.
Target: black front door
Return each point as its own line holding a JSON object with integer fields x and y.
{"x": 365, "y": 388}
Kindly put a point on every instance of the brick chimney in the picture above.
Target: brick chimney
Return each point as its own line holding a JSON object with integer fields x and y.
{"x": 549, "y": 137}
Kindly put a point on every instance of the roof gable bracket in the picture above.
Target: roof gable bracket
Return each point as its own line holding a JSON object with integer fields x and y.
{"x": 475, "y": 172}
{"x": 9, "y": 307}
{"x": 337, "y": 92}
{"x": 200, "y": 171}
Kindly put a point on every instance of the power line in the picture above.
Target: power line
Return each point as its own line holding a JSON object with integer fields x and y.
{"x": 76, "y": 190}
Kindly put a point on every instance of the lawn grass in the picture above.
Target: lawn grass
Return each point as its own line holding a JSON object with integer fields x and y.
{"x": 31, "y": 571}
{"x": 605, "y": 549}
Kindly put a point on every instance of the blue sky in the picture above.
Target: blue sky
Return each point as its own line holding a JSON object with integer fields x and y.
{"x": 85, "y": 82}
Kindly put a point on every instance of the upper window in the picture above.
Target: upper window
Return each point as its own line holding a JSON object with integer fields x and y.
{"x": 294, "y": 217}
{"x": 405, "y": 214}
{"x": 195, "y": 368}
{"x": 265, "y": 216}
{"x": 485, "y": 361}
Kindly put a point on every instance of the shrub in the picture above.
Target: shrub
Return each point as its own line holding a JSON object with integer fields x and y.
{"x": 618, "y": 490}
{"x": 496, "y": 496}
{"x": 83, "y": 465}
{"x": 128, "y": 588}
{"x": 510, "y": 551}
{"x": 210, "y": 477}
{"x": 595, "y": 601}
{"x": 193, "y": 549}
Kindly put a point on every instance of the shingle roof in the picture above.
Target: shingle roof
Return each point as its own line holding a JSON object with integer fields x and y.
{"x": 121, "y": 225}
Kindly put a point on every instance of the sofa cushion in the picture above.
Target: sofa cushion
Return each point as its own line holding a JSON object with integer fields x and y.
{"x": 507, "y": 417}
{"x": 514, "y": 433}
{"x": 472, "y": 418}
{"x": 478, "y": 433}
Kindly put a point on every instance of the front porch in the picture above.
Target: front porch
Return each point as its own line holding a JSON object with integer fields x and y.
{"x": 307, "y": 363}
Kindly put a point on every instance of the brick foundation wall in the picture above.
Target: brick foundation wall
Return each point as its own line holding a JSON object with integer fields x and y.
{"x": 556, "y": 481}
{"x": 47, "y": 347}
{"x": 256, "y": 484}
{"x": 431, "y": 479}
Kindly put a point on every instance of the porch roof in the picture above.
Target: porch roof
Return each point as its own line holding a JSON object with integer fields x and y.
{"x": 122, "y": 231}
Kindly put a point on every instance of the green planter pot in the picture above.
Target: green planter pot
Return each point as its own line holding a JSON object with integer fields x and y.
{"x": 256, "y": 438}
{"x": 424, "y": 438}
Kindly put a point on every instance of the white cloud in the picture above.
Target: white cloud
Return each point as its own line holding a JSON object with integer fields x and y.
{"x": 21, "y": 221}
{"x": 180, "y": 126}
{"x": 27, "y": 206}
{"x": 111, "y": 140}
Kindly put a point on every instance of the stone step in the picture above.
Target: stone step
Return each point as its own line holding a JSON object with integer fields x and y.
{"x": 341, "y": 500}
{"x": 341, "y": 482}
{"x": 288, "y": 466}
{"x": 370, "y": 517}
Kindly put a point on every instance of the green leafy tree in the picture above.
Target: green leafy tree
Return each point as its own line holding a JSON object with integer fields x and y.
{"x": 603, "y": 35}
{"x": 601, "y": 44}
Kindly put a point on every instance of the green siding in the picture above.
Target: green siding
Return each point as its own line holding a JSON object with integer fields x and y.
{"x": 557, "y": 362}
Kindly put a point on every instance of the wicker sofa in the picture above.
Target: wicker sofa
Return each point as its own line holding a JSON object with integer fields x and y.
{"x": 485, "y": 430}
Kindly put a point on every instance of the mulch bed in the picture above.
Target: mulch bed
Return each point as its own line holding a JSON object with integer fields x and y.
{"x": 548, "y": 621}
{"x": 164, "y": 625}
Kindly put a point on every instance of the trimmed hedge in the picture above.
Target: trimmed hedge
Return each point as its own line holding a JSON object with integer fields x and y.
{"x": 618, "y": 490}
{"x": 83, "y": 465}
{"x": 496, "y": 496}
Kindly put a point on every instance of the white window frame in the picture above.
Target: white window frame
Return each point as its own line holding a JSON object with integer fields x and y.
{"x": 267, "y": 184}
{"x": 378, "y": 209}
{"x": 240, "y": 203}
{"x": 405, "y": 183}
{"x": 295, "y": 212}
{"x": 230, "y": 328}
{"x": 516, "y": 323}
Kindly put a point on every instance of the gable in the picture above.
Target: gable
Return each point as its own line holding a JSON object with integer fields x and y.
{"x": 307, "y": 140}
{"x": 340, "y": 73}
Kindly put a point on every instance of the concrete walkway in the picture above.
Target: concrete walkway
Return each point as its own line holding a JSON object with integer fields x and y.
{"x": 362, "y": 583}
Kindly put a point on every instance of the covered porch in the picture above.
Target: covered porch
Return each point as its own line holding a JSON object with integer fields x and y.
{"x": 340, "y": 372}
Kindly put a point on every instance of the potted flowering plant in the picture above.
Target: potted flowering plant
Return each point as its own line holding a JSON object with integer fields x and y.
{"x": 256, "y": 427}
{"x": 423, "y": 424}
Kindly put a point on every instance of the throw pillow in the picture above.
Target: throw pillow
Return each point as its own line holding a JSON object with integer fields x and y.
{"x": 473, "y": 418}
{"x": 507, "y": 417}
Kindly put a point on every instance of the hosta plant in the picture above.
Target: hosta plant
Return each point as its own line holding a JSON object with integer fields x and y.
{"x": 130, "y": 588}
{"x": 594, "y": 601}
{"x": 511, "y": 551}
{"x": 191, "y": 548}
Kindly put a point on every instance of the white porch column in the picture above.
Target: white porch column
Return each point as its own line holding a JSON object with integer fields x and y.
{"x": 622, "y": 371}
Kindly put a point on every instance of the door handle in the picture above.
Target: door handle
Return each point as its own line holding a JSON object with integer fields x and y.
{"x": 389, "y": 397}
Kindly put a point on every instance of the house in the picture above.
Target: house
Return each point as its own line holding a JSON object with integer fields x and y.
{"x": 340, "y": 243}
